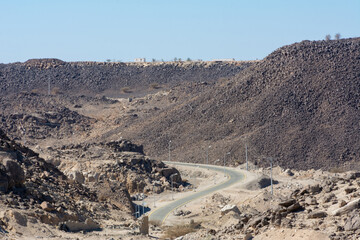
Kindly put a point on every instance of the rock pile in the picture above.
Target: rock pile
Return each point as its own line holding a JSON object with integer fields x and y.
{"x": 29, "y": 116}
{"x": 120, "y": 162}
{"x": 332, "y": 207}
{"x": 34, "y": 191}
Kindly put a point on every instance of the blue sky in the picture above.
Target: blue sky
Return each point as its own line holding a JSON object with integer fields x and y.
{"x": 96, "y": 30}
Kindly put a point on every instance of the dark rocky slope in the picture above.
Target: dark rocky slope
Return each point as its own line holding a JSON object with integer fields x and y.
{"x": 299, "y": 105}
{"x": 110, "y": 78}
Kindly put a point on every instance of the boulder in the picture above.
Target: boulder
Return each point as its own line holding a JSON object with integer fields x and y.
{"x": 18, "y": 217}
{"x": 259, "y": 183}
{"x": 353, "y": 221}
{"x": 229, "y": 208}
{"x": 350, "y": 190}
{"x": 15, "y": 172}
{"x": 310, "y": 201}
{"x": 47, "y": 206}
{"x": 93, "y": 177}
{"x": 347, "y": 208}
{"x": 314, "y": 189}
{"x": 248, "y": 236}
{"x": 287, "y": 203}
{"x": 353, "y": 175}
{"x": 328, "y": 197}
{"x": 293, "y": 208}
{"x": 4, "y": 181}
{"x": 75, "y": 226}
{"x": 318, "y": 214}
{"x": 288, "y": 172}
{"x": 168, "y": 172}
{"x": 77, "y": 176}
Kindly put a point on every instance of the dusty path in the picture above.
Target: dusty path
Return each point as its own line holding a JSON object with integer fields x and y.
{"x": 233, "y": 177}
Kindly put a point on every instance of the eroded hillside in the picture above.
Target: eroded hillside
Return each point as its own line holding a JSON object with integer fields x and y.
{"x": 300, "y": 105}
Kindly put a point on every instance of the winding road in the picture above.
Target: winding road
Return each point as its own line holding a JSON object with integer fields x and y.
{"x": 163, "y": 212}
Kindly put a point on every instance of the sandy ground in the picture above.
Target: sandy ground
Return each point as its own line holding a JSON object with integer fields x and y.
{"x": 203, "y": 210}
{"x": 294, "y": 234}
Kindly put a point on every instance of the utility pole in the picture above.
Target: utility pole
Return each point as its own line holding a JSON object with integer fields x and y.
{"x": 143, "y": 207}
{"x": 154, "y": 194}
{"x": 207, "y": 155}
{"x": 49, "y": 87}
{"x": 271, "y": 178}
{"x": 217, "y": 160}
{"x": 169, "y": 151}
{"x": 228, "y": 153}
{"x": 246, "y": 156}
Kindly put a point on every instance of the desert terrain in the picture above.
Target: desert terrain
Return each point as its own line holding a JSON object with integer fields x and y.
{"x": 88, "y": 149}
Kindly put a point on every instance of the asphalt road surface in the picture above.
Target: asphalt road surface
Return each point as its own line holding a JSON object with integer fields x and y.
{"x": 163, "y": 212}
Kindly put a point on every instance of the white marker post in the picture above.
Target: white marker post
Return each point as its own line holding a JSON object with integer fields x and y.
{"x": 246, "y": 157}
{"x": 169, "y": 151}
{"x": 207, "y": 155}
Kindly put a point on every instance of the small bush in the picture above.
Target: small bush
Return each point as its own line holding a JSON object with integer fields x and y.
{"x": 126, "y": 90}
{"x": 155, "y": 86}
{"x": 36, "y": 91}
{"x": 180, "y": 230}
{"x": 337, "y": 170}
{"x": 56, "y": 91}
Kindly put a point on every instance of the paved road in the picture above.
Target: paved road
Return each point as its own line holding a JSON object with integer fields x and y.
{"x": 162, "y": 213}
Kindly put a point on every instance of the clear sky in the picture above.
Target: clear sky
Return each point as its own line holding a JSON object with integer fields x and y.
{"x": 96, "y": 30}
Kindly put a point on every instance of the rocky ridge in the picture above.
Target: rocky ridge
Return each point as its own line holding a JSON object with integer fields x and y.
{"x": 97, "y": 77}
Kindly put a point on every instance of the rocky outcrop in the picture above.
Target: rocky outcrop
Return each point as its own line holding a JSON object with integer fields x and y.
{"x": 121, "y": 162}
{"x": 46, "y": 194}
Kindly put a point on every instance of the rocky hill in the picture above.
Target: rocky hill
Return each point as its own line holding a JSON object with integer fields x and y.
{"x": 300, "y": 105}
{"x": 110, "y": 78}
{"x": 34, "y": 192}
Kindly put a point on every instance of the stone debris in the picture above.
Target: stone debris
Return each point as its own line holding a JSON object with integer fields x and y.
{"x": 229, "y": 208}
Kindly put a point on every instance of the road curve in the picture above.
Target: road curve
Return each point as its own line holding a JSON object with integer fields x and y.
{"x": 163, "y": 212}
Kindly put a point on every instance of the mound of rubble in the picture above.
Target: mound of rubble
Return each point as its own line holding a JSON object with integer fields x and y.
{"x": 328, "y": 207}
{"x": 32, "y": 116}
{"x": 34, "y": 192}
{"x": 120, "y": 161}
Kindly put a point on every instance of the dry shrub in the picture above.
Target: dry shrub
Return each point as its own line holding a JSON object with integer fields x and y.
{"x": 337, "y": 170}
{"x": 126, "y": 90}
{"x": 155, "y": 223}
{"x": 55, "y": 91}
{"x": 155, "y": 86}
{"x": 180, "y": 230}
{"x": 35, "y": 90}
